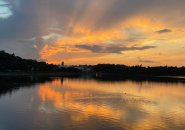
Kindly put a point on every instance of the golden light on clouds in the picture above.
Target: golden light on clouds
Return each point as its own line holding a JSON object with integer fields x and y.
{"x": 135, "y": 31}
{"x": 128, "y": 31}
{"x": 87, "y": 38}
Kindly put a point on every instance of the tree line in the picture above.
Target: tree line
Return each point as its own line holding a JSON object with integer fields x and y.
{"x": 139, "y": 70}
{"x": 10, "y": 62}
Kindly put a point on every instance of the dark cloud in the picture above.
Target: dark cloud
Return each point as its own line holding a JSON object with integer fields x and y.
{"x": 93, "y": 48}
{"x": 33, "y": 18}
{"x": 113, "y": 48}
{"x": 164, "y": 31}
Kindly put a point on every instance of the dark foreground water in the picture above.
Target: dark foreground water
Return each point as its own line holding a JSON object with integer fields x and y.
{"x": 43, "y": 103}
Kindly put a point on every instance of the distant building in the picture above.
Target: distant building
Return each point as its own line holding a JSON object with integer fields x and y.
{"x": 62, "y": 64}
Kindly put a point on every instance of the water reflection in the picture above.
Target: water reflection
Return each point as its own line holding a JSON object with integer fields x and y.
{"x": 88, "y": 104}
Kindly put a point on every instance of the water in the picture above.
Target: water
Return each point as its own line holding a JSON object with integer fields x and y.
{"x": 36, "y": 103}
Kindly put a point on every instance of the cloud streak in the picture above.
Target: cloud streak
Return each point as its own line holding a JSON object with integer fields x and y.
{"x": 164, "y": 31}
{"x": 112, "y": 48}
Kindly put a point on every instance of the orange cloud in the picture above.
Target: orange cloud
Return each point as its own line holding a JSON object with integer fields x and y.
{"x": 134, "y": 31}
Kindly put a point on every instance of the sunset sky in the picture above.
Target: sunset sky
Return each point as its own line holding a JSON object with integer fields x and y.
{"x": 131, "y": 32}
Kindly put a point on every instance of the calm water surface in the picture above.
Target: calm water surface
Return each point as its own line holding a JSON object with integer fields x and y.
{"x": 35, "y": 103}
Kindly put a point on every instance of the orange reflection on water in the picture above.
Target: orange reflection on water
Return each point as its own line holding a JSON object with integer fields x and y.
{"x": 143, "y": 103}
{"x": 144, "y": 89}
{"x": 47, "y": 94}
{"x": 74, "y": 100}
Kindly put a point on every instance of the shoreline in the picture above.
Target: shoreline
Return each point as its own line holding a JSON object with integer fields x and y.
{"x": 98, "y": 76}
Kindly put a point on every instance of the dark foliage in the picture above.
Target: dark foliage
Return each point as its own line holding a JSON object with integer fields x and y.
{"x": 10, "y": 62}
{"x": 69, "y": 70}
{"x": 138, "y": 70}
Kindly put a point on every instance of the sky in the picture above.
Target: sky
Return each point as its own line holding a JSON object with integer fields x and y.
{"x": 131, "y": 32}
